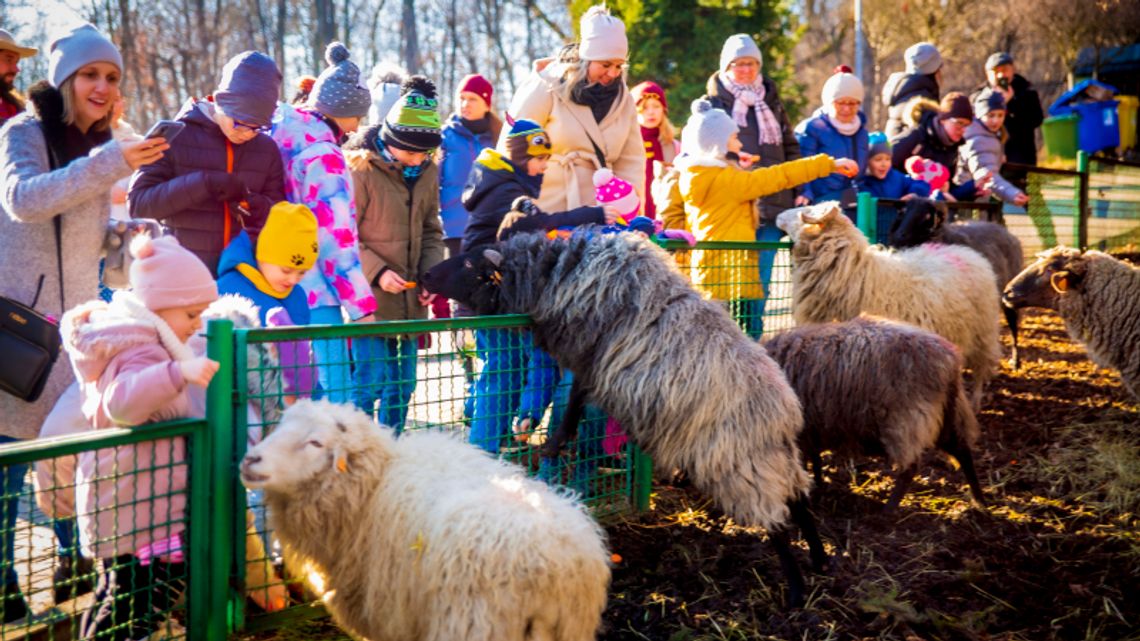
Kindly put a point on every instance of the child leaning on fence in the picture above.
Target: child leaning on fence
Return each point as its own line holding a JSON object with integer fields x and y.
{"x": 497, "y": 180}
{"x": 718, "y": 196}
{"x": 396, "y": 184}
{"x": 269, "y": 275}
{"x": 133, "y": 365}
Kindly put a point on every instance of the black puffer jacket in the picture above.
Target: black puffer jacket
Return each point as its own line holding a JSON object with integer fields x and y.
{"x": 174, "y": 190}
{"x": 788, "y": 149}
{"x": 899, "y": 89}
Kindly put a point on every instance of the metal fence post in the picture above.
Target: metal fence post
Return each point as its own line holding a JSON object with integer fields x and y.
{"x": 867, "y": 216}
{"x": 1081, "y": 231}
{"x": 642, "y": 478}
{"x": 219, "y": 416}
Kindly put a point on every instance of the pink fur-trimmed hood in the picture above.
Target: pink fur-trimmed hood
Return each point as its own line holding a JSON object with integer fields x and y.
{"x": 95, "y": 332}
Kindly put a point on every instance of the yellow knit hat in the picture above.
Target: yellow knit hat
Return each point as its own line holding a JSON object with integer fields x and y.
{"x": 289, "y": 238}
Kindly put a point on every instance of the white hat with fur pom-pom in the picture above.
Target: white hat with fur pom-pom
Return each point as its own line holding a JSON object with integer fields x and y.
{"x": 164, "y": 274}
{"x": 707, "y": 132}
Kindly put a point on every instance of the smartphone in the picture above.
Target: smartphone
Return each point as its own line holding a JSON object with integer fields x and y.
{"x": 167, "y": 129}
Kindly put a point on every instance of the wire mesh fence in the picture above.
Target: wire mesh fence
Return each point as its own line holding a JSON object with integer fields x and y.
{"x": 96, "y": 534}
{"x": 1114, "y": 206}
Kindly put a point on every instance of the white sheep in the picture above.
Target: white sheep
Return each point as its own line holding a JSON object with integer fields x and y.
{"x": 946, "y": 289}
{"x": 1098, "y": 297}
{"x": 426, "y": 537}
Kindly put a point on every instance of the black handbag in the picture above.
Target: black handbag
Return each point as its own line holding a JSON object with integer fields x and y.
{"x": 29, "y": 341}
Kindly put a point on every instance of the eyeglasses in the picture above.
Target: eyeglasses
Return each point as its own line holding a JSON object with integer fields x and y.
{"x": 746, "y": 63}
{"x": 241, "y": 126}
{"x": 960, "y": 123}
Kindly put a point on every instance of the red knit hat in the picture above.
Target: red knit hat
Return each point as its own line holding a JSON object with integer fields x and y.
{"x": 477, "y": 85}
{"x": 650, "y": 89}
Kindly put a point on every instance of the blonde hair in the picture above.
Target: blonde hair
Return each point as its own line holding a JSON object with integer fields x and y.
{"x": 666, "y": 131}
{"x": 67, "y": 91}
{"x": 575, "y": 70}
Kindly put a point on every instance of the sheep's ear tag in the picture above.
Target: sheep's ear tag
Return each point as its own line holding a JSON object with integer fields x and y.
{"x": 341, "y": 464}
{"x": 496, "y": 277}
{"x": 1060, "y": 282}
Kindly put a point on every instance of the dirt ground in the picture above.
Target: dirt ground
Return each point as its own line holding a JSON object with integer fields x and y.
{"x": 1056, "y": 555}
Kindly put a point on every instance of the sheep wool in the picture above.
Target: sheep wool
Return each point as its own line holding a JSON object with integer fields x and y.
{"x": 427, "y": 537}
{"x": 615, "y": 310}
{"x": 1097, "y": 296}
{"x": 943, "y": 288}
{"x": 872, "y": 380}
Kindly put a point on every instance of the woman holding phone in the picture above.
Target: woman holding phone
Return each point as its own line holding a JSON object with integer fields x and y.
{"x": 57, "y": 165}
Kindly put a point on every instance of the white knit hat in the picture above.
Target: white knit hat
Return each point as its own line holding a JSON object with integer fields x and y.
{"x": 842, "y": 85}
{"x": 603, "y": 36}
{"x": 708, "y": 130}
{"x": 740, "y": 45}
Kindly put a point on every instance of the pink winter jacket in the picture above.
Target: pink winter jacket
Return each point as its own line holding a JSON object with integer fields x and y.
{"x": 128, "y": 375}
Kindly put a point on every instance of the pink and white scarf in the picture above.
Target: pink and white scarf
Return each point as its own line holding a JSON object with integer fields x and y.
{"x": 752, "y": 95}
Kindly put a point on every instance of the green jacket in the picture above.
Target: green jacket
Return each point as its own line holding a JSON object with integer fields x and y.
{"x": 398, "y": 230}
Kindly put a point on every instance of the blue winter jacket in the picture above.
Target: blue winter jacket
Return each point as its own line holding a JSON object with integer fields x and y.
{"x": 895, "y": 185}
{"x": 232, "y": 281}
{"x": 817, "y": 135}
{"x": 458, "y": 152}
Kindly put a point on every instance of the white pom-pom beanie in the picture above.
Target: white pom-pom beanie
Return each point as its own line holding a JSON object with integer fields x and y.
{"x": 708, "y": 130}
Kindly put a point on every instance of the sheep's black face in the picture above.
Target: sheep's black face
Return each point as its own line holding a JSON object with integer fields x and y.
{"x": 1044, "y": 282}
{"x": 472, "y": 278}
{"x": 917, "y": 222}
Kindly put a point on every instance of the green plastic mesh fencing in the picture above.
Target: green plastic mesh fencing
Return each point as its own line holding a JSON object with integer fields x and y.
{"x": 95, "y": 534}
{"x": 481, "y": 378}
{"x": 1114, "y": 206}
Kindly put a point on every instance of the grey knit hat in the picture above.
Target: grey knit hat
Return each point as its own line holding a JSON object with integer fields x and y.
{"x": 707, "y": 132}
{"x": 922, "y": 58}
{"x": 988, "y": 100}
{"x": 740, "y": 45}
{"x": 339, "y": 91}
{"x": 384, "y": 85}
{"x": 250, "y": 86}
{"x": 81, "y": 46}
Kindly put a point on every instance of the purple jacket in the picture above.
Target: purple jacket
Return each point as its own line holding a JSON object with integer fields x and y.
{"x": 174, "y": 191}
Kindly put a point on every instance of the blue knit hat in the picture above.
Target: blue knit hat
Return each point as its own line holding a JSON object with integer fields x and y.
{"x": 250, "y": 86}
{"x": 877, "y": 143}
{"x": 81, "y": 46}
{"x": 340, "y": 91}
{"x": 988, "y": 100}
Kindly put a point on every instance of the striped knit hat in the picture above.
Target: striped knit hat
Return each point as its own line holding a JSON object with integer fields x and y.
{"x": 412, "y": 124}
{"x": 526, "y": 140}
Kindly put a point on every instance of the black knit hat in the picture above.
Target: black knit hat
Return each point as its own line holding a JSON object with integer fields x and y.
{"x": 412, "y": 124}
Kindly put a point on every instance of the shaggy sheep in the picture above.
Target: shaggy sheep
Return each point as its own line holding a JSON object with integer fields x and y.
{"x": 1097, "y": 295}
{"x": 870, "y": 385}
{"x": 668, "y": 365}
{"x": 426, "y": 537}
{"x": 943, "y": 288}
{"x": 924, "y": 221}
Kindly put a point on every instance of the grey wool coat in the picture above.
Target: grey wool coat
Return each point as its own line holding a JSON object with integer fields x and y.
{"x": 30, "y": 196}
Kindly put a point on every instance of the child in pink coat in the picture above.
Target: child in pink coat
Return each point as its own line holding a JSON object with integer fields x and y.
{"x": 133, "y": 367}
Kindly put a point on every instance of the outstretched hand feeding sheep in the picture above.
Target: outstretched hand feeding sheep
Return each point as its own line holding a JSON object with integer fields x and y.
{"x": 614, "y": 310}
{"x": 426, "y": 537}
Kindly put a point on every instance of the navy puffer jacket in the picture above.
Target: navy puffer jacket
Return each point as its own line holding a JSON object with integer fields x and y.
{"x": 174, "y": 190}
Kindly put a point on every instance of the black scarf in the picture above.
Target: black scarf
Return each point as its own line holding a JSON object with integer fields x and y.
{"x": 598, "y": 97}
{"x": 480, "y": 126}
{"x": 65, "y": 142}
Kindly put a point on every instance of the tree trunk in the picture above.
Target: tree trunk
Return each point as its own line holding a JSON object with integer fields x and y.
{"x": 411, "y": 45}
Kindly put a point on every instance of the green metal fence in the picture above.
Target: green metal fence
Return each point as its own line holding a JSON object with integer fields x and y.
{"x": 1114, "y": 206}
{"x": 129, "y": 487}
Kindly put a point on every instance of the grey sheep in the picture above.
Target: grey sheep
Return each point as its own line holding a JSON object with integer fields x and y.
{"x": 943, "y": 288}
{"x": 1098, "y": 297}
{"x": 670, "y": 366}
{"x": 924, "y": 221}
{"x": 874, "y": 386}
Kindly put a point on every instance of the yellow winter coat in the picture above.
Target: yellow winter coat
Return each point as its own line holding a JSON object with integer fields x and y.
{"x": 719, "y": 205}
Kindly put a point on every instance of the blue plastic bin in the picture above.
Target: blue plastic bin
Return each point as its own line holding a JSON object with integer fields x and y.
{"x": 1099, "y": 127}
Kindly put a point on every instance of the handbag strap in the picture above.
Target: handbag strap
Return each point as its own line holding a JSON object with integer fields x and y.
{"x": 53, "y": 164}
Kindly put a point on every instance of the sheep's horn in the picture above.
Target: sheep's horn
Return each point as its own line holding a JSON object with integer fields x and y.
{"x": 495, "y": 257}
